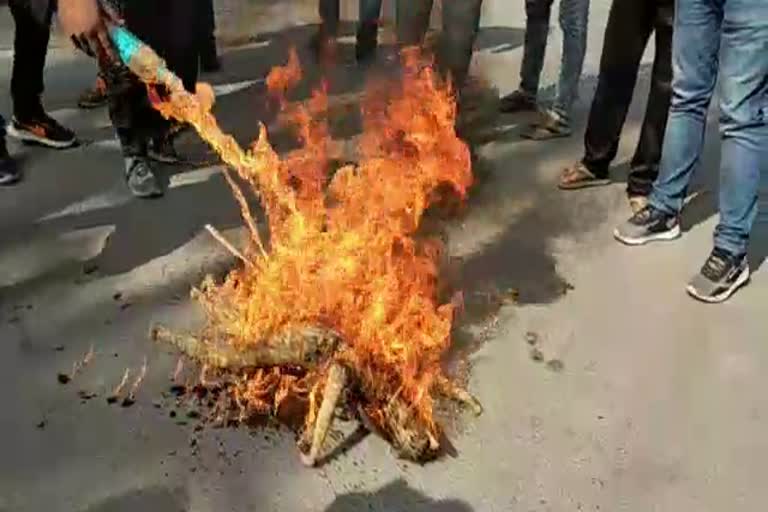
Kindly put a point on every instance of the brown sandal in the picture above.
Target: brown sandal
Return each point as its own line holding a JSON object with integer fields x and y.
{"x": 578, "y": 176}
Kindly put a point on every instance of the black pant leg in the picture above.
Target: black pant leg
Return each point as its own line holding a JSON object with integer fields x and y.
{"x": 207, "y": 35}
{"x": 629, "y": 26}
{"x": 330, "y": 15}
{"x": 30, "y": 50}
{"x": 129, "y": 109}
{"x": 645, "y": 163}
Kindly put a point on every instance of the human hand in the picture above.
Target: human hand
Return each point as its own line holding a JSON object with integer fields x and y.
{"x": 87, "y": 23}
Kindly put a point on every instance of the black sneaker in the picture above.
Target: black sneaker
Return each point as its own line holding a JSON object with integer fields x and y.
{"x": 518, "y": 101}
{"x": 162, "y": 150}
{"x": 141, "y": 178}
{"x": 42, "y": 129}
{"x": 9, "y": 171}
{"x": 722, "y": 274}
{"x": 648, "y": 225}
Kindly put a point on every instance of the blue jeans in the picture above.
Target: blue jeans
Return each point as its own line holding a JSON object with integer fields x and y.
{"x": 574, "y": 16}
{"x": 732, "y": 36}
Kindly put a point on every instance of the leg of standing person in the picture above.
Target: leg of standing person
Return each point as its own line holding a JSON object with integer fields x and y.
{"x": 131, "y": 117}
{"x": 368, "y": 29}
{"x": 30, "y": 122}
{"x": 461, "y": 22}
{"x": 630, "y": 23}
{"x": 537, "y": 15}
{"x": 695, "y": 49}
{"x": 744, "y": 136}
{"x": 644, "y": 166}
{"x": 150, "y": 21}
{"x": 556, "y": 121}
{"x": 412, "y": 21}
{"x": 323, "y": 43}
{"x": 209, "y": 54}
{"x": 731, "y": 35}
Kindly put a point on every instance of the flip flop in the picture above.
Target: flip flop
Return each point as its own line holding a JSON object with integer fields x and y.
{"x": 545, "y": 132}
{"x": 578, "y": 176}
{"x": 549, "y": 127}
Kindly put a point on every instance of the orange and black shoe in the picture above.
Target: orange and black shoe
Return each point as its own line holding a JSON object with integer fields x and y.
{"x": 94, "y": 97}
{"x": 42, "y": 129}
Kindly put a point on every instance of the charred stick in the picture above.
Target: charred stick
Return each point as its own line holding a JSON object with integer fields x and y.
{"x": 304, "y": 347}
{"x": 334, "y": 385}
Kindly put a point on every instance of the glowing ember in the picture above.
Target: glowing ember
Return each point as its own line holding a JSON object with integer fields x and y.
{"x": 346, "y": 295}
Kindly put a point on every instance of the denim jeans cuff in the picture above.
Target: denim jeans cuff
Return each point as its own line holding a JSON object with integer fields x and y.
{"x": 659, "y": 204}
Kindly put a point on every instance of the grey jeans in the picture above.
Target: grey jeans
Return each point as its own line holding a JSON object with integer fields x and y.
{"x": 574, "y": 16}
{"x": 461, "y": 21}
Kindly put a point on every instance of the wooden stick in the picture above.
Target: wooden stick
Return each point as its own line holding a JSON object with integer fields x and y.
{"x": 334, "y": 386}
{"x": 228, "y": 246}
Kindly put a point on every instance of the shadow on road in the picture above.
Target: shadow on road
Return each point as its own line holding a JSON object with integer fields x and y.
{"x": 395, "y": 497}
{"x": 155, "y": 498}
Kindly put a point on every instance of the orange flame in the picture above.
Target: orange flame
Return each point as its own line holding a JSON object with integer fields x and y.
{"x": 344, "y": 251}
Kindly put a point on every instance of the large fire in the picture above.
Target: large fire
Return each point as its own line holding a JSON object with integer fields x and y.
{"x": 340, "y": 303}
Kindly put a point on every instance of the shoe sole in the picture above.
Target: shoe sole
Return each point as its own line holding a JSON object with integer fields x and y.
{"x": 722, "y": 297}
{"x": 162, "y": 159}
{"x": 89, "y": 105}
{"x": 9, "y": 180}
{"x": 26, "y": 136}
{"x": 666, "y": 236}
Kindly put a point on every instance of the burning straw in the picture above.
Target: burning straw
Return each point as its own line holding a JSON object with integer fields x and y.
{"x": 343, "y": 309}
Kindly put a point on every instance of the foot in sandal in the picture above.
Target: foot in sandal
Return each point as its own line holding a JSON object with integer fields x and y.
{"x": 579, "y": 176}
{"x": 552, "y": 125}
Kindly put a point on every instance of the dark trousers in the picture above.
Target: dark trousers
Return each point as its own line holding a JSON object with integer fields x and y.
{"x": 30, "y": 49}
{"x": 461, "y": 22}
{"x": 630, "y": 24}
{"x": 171, "y": 28}
{"x": 207, "y": 34}
{"x": 330, "y": 14}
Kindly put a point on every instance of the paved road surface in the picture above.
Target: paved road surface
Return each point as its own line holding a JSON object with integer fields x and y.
{"x": 660, "y": 405}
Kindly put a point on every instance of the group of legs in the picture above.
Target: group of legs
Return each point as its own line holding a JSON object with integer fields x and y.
{"x": 182, "y": 33}
{"x": 702, "y": 40}
{"x": 460, "y": 24}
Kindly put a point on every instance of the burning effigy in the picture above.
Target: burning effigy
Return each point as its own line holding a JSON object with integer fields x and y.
{"x": 339, "y": 304}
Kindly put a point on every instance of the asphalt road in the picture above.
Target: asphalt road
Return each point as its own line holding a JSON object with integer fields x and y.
{"x": 658, "y": 406}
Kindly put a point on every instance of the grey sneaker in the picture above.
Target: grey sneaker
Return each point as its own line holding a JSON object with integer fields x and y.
{"x": 648, "y": 225}
{"x": 163, "y": 150}
{"x": 141, "y": 179}
{"x": 722, "y": 274}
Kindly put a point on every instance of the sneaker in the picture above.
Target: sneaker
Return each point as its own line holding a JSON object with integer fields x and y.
{"x": 9, "y": 171}
{"x": 518, "y": 101}
{"x": 648, "y": 225}
{"x": 722, "y": 274}
{"x": 162, "y": 150}
{"x": 141, "y": 178}
{"x": 94, "y": 97}
{"x": 42, "y": 129}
